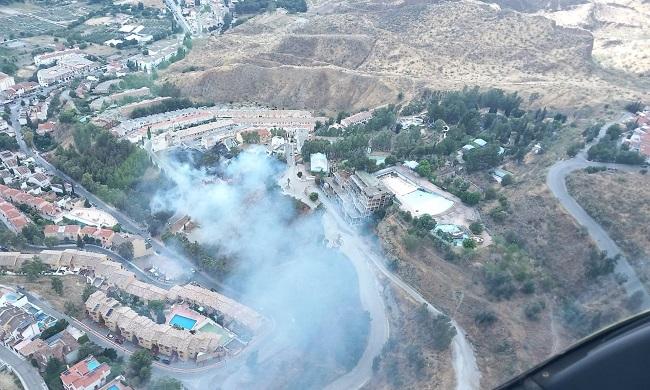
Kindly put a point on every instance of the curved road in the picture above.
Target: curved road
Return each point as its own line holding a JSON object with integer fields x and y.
{"x": 556, "y": 181}
{"x": 28, "y": 374}
{"x": 465, "y": 367}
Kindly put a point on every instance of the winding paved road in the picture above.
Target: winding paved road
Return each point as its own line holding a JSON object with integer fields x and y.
{"x": 28, "y": 374}
{"x": 556, "y": 181}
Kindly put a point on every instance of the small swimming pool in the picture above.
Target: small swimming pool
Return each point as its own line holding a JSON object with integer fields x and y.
{"x": 92, "y": 365}
{"x": 183, "y": 322}
{"x": 113, "y": 387}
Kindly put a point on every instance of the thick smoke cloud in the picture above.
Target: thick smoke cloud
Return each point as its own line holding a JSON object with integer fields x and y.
{"x": 282, "y": 269}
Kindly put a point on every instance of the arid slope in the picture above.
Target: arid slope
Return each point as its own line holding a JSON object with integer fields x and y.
{"x": 343, "y": 56}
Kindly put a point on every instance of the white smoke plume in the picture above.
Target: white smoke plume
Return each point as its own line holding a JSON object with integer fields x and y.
{"x": 282, "y": 268}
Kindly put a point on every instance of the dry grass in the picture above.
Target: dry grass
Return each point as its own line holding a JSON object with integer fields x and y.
{"x": 395, "y": 363}
{"x": 73, "y": 287}
{"x": 619, "y": 202}
{"x": 343, "y": 56}
{"x": 7, "y": 382}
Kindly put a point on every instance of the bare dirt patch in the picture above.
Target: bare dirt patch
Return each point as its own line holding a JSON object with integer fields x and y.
{"x": 73, "y": 287}
{"x": 7, "y": 382}
{"x": 343, "y": 57}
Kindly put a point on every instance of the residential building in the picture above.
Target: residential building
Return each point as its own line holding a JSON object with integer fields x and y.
{"x": 22, "y": 172}
{"x": 66, "y": 69}
{"x": 20, "y": 89}
{"x": 235, "y": 314}
{"x": 222, "y": 128}
{"x": 361, "y": 117}
{"x": 139, "y": 244}
{"x": 359, "y": 194}
{"x": 103, "y": 235}
{"x": 45, "y": 128}
{"x": 158, "y": 52}
{"x": 41, "y": 206}
{"x": 62, "y": 346}
{"x": 12, "y": 217}
{"x": 97, "y": 104}
{"x": 6, "y": 81}
{"x": 39, "y": 179}
{"x": 142, "y": 331}
{"x": 127, "y": 109}
{"x": 88, "y": 374}
{"x": 67, "y": 232}
{"x": 6, "y": 177}
{"x": 52, "y": 57}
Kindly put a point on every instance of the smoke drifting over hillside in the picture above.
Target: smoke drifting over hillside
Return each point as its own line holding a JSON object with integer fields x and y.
{"x": 281, "y": 268}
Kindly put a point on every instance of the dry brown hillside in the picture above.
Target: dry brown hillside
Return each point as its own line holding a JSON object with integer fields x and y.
{"x": 350, "y": 55}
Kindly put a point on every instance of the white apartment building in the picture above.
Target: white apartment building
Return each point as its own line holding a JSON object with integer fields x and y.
{"x": 66, "y": 69}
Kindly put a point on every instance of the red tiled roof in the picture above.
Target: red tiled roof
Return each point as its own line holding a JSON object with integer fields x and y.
{"x": 50, "y": 229}
{"x": 105, "y": 233}
{"x": 78, "y": 375}
{"x": 72, "y": 229}
{"x": 88, "y": 231}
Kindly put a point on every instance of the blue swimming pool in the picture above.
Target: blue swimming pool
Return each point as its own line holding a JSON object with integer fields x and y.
{"x": 113, "y": 387}
{"x": 183, "y": 322}
{"x": 92, "y": 365}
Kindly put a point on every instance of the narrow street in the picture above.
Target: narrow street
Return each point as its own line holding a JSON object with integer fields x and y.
{"x": 556, "y": 181}
{"x": 28, "y": 374}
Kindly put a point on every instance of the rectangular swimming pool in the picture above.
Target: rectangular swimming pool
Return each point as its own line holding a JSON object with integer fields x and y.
{"x": 92, "y": 365}
{"x": 183, "y": 322}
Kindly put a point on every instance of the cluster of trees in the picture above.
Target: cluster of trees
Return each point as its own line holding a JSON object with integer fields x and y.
{"x": 138, "y": 370}
{"x": 607, "y": 150}
{"x": 259, "y": 6}
{"x": 218, "y": 265}
{"x": 436, "y": 329}
{"x": 33, "y": 268}
{"x": 250, "y": 137}
{"x": 8, "y": 143}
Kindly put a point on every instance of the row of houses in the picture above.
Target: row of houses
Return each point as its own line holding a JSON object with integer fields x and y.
{"x": 161, "y": 338}
{"x": 43, "y": 207}
{"x": 13, "y": 218}
{"x": 21, "y": 326}
{"x": 197, "y": 124}
{"x": 142, "y": 331}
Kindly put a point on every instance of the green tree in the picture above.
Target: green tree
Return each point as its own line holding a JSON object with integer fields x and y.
{"x": 506, "y": 180}
{"x": 50, "y": 242}
{"x": 87, "y": 292}
{"x": 139, "y": 367}
{"x": 424, "y": 169}
{"x": 33, "y": 268}
{"x": 313, "y": 196}
{"x": 125, "y": 250}
{"x": 476, "y": 227}
{"x": 57, "y": 285}
{"x": 469, "y": 243}
{"x": 51, "y": 375}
